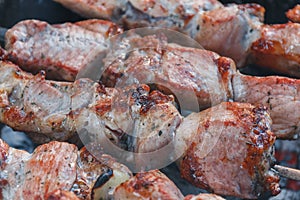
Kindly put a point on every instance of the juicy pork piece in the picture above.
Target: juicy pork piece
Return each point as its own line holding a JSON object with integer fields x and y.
{"x": 280, "y": 95}
{"x": 61, "y": 50}
{"x": 278, "y": 49}
{"x": 196, "y": 77}
{"x": 148, "y": 185}
{"x": 57, "y": 170}
{"x": 230, "y": 150}
{"x": 50, "y": 110}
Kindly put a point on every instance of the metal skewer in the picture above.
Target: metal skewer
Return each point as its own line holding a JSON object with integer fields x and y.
{"x": 288, "y": 172}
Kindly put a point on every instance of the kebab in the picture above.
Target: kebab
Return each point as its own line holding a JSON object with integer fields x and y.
{"x": 251, "y": 150}
{"x": 63, "y": 172}
{"x": 234, "y": 30}
{"x": 58, "y": 169}
{"x": 184, "y": 130}
{"x": 209, "y": 78}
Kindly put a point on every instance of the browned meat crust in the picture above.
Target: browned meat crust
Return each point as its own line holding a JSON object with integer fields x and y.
{"x": 232, "y": 151}
{"x": 294, "y": 14}
{"x": 277, "y": 49}
{"x": 148, "y": 185}
{"x": 56, "y": 170}
{"x": 235, "y": 31}
{"x": 203, "y": 197}
{"x": 280, "y": 95}
{"x": 50, "y": 110}
{"x": 189, "y": 74}
{"x": 62, "y": 195}
{"x": 61, "y": 50}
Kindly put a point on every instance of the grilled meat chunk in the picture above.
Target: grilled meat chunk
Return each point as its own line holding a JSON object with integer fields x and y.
{"x": 148, "y": 185}
{"x": 280, "y": 95}
{"x": 231, "y": 30}
{"x": 60, "y": 50}
{"x": 139, "y": 10}
{"x": 235, "y": 31}
{"x": 106, "y": 28}
{"x": 203, "y": 197}
{"x": 50, "y": 110}
{"x": 278, "y": 49}
{"x": 231, "y": 150}
{"x": 56, "y": 170}
{"x": 197, "y": 78}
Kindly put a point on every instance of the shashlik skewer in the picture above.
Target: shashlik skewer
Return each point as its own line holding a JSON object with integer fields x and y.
{"x": 50, "y": 110}
{"x": 198, "y": 75}
{"x": 58, "y": 169}
{"x": 244, "y": 163}
{"x": 17, "y": 72}
{"x": 235, "y": 31}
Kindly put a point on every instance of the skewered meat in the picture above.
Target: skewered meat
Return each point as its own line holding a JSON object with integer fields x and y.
{"x": 231, "y": 153}
{"x": 203, "y": 197}
{"x": 278, "y": 48}
{"x": 180, "y": 9}
{"x": 197, "y": 83}
{"x": 89, "y": 111}
{"x": 148, "y": 185}
{"x": 191, "y": 72}
{"x": 50, "y": 110}
{"x": 235, "y": 31}
{"x": 56, "y": 170}
{"x": 279, "y": 94}
{"x": 65, "y": 48}
{"x": 198, "y": 78}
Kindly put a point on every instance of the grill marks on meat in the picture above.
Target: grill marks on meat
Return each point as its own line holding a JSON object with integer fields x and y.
{"x": 232, "y": 151}
{"x": 148, "y": 185}
{"x": 195, "y": 77}
{"x": 60, "y": 50}
{"x": 279, "y": 94}
{"x": 52, "y": 171}
{"x": 51, "y": 110}
{"x": 278, "y": 49}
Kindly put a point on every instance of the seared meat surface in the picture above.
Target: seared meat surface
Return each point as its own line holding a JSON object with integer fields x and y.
{"x": 197, "y": 78}
{"x": 203, "y": 197}
{"x": 280, "y": 95}
{"x": 148, "y": 185}
{"x": 50, "y": 110}
{"x": 278, "y": 49}
{"x": 235, "y": 31}
{"x": 61, "y": 50}
{"x": 231, "y": 150}
{"x": 56, "y": 170}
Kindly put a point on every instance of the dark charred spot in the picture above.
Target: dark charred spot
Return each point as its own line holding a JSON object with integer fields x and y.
{"x": 160, "y": 133}
{"x": 103, "y": 178}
